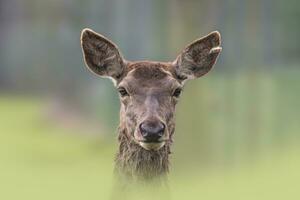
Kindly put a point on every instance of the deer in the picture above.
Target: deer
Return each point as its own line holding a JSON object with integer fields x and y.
{"x": 148, "y": 92}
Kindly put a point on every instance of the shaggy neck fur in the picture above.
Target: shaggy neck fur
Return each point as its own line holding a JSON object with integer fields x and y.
{"x": 135, "y": 163}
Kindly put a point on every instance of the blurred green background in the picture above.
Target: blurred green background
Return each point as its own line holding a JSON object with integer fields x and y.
{"x": 237, "y": 133}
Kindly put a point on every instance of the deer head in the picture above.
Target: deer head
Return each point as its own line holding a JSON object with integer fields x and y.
{"x": 149, "y": 91}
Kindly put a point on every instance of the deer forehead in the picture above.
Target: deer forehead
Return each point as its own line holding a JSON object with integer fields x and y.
{"x": 151, "y": 76}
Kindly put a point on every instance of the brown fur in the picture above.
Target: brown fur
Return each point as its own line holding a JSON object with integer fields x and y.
{"x": 132, "y": 161}
{"x": 136, "y": 163}
{"x": 147, "y": 93}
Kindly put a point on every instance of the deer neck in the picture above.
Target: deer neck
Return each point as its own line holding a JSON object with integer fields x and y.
{"x": 134, "y": 162}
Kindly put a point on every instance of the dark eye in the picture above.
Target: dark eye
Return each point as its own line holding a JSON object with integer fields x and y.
{"x": 177, "y": 92}
{"x": 123, "y": 92}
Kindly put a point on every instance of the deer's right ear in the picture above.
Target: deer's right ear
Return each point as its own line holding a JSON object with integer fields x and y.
{"x": 101, "y": 55}
{"x": 199, "y": 57}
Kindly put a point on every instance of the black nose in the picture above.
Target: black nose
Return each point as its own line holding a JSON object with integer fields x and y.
{"x": 152, "y": 131}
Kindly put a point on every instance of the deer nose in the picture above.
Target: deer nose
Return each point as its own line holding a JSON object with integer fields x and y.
{"x": 152, "y": 131}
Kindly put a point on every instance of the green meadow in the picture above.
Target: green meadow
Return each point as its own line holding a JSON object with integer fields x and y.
{"x": 43, "y": 160}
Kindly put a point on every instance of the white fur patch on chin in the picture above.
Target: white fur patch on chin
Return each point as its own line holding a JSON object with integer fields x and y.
{"x": 152, "y": 146}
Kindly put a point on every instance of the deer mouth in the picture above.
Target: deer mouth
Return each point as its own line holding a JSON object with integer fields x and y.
{"x": 152, "y": 145}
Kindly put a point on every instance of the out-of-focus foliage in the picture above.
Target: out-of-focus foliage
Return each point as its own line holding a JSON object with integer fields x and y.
{"x": 237, "y": 128}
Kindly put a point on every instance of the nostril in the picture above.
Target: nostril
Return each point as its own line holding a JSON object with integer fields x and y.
{"x": 143, "y": 129}
{"x": 161, "y": 129}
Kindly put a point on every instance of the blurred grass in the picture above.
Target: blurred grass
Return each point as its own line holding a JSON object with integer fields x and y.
{"x": 274, "y": 177}
{"x": 39, "y": 160}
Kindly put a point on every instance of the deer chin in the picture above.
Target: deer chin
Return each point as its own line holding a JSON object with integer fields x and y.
{"x": 152, "y": 145}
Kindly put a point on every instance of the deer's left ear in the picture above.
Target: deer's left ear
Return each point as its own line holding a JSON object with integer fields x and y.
{"x": 199, "y": 57}
{"x": 101, "y": 55}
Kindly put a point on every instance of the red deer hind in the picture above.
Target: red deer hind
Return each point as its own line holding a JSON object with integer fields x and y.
{"x": 149, "y": 92}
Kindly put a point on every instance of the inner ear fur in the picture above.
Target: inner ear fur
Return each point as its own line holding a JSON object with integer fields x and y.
{"x": 101, "y": 55}
{"x": 199, "y": 57}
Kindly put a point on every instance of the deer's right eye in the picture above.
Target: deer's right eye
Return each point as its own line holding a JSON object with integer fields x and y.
{"x": 177, "y": 92}
{"x": 123, "y": 92}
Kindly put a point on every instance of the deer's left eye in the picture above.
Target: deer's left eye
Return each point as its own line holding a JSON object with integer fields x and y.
{"x": 123, "y": 92}
{"x": 177, "y": 92}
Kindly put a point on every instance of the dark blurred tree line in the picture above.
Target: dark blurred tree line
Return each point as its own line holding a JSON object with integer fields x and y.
{"x": 40, "y": 39}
